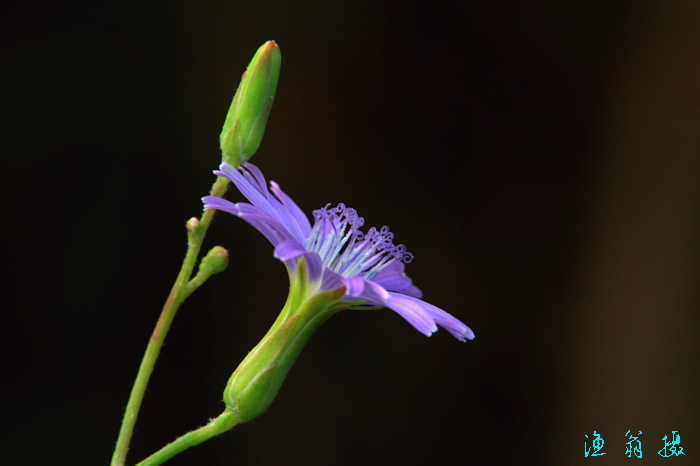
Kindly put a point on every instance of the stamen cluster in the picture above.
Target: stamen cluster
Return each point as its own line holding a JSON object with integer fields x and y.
{"x": 343, "y": 248}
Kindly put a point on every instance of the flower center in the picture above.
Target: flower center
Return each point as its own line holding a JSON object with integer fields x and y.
{"x": 343, "y": 248}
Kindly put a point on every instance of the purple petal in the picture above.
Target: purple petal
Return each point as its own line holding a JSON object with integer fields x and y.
{"x": 374, "y": 293}
{"x": 289, "y": 220}
{"x": 313, "y": 262}
{"x": 271, "y": 228}
{"x": 457, "y": 328}
{"x": 249, "y": 190}
{"x": 355, "y": 286}
{"x": 251, "y": 183}
{"x": 259, "y": 179}
{"x": 289, "y": 249}
{"x": 265, "y": 229}
{"x": 412, "y": 290}
{"x": 213, "y": 202}
{"x": 287, "y": 201}
{"x": 392, "y": 277}
{"x": 331, "y": 280}
{"x": 412, "y": 312}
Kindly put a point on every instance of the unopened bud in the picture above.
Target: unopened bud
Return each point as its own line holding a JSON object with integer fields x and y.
{"x": 192, "y": 225}
{"x": 214, "y": 262}
{"x": 246, "y": 119}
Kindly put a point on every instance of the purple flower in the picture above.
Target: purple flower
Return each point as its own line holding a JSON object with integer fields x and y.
{"x": 368, "y": 265}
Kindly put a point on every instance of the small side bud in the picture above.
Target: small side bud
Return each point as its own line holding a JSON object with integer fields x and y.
{"x": 214, "y": 262}
{"x": 192, "y": 225}
{"x": 247, "y": 117}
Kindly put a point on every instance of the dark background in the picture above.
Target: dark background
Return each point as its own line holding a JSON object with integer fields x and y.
{"x": 541, "y": 160}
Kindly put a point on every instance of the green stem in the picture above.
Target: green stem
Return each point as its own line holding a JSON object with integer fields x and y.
{"x": 181, "y": 289}
{"x": 195, "y": 283}
{"x": 221, "y": 424}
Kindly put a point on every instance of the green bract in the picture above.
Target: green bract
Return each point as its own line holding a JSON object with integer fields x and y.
{"x": 246, "y": 119}
{"x": 254, "y": 385}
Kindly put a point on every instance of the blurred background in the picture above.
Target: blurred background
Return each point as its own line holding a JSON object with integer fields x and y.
{"x": 540, "y": 159}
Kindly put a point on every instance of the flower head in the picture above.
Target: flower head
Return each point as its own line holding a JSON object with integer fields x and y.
{"x": 337, "y": 253}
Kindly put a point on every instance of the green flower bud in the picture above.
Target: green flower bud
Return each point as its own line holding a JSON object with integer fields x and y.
{"x": 246, "y": 119}
{"x": 214, "y": 262}
{"x": 254, "y": 385}
{"x": 192, "y": 226}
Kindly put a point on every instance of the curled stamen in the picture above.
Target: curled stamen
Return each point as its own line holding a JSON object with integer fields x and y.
{"x": 337, "y": 238}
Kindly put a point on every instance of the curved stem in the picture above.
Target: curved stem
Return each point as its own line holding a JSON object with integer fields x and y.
{"x": 221, "y": 424}
{"x": 181, "y": 289}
